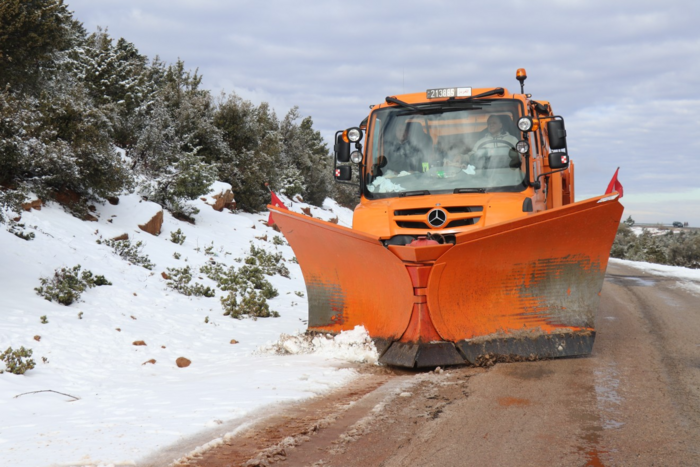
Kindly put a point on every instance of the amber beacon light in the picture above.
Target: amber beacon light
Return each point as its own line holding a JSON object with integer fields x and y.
{"x": 521, "y": 75}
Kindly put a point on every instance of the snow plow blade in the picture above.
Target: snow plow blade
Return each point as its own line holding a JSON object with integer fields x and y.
{"x": 351, "y": 279}
{"x": 520, "y": 290}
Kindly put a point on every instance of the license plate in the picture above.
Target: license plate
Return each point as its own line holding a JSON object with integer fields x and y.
{"x": 441, "y": 93}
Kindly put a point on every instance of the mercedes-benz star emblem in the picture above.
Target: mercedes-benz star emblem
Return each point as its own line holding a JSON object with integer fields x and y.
{"x": 437, "y": 217}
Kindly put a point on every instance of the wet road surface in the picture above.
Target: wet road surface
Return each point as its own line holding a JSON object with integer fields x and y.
{"x": 634, "y": 401}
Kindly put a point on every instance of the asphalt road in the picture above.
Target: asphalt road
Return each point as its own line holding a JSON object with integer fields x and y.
{"x": 634, "y": 402}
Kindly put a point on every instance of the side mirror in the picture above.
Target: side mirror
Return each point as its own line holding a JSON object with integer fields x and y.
{"x": 343, "y": 173}
{"x": 558, "y": 160}
{"x": 557, "y": 134}
{"x": 341, "y": 148}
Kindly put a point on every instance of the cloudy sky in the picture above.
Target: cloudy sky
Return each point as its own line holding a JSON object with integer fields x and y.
{"x": 623, "y": 73}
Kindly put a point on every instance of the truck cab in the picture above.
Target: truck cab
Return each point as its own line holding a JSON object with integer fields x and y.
{"x": 452, "y": 160}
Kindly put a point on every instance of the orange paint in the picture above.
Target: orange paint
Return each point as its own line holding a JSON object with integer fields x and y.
{"x": 513, "y": 402}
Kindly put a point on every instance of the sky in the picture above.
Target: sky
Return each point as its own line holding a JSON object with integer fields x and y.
{"x": 622, "y": 73}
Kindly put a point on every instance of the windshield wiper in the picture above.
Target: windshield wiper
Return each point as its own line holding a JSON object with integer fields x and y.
{"x": 394, "y": 100}
{"x": 493, "y": 92}
{"x": 469, "y": 190}
{"x": 403, "y": 194}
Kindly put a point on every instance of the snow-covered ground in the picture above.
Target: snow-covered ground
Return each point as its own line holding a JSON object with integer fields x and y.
{"x": 688, "y": 279}
{"x": 116, "y": 409}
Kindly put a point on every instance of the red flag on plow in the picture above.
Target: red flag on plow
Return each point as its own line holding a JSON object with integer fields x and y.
{"x": 276, "y": 202}
{"x": 614, "y": 185}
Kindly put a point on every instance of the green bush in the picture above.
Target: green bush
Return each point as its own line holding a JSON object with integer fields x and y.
{"x": 674, "y": 249}
{"x": 270, "y": 263}
{"x": 67, "y": 284}
{"x": 253, "y": 304}
{"x": 180, "y": 279}
{"x": 17, "y": 361}
{"x": 18, "y": 230}
{"x": 129, "y": 252}
{"x": 177, "y": 237}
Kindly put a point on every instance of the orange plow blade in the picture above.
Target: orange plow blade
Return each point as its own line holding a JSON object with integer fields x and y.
{"x": 526, "y": 288}
{"x": 351, "y": 279}
{"x": 523, "y": 289}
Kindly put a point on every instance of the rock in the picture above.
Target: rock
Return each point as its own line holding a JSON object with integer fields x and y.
{"x": 334, "y": 220}
{"x": 89, "y": 218}
{"x": 113, "y": 200}
{"x": 151, "y": 361}
{"x": 165, "y": 276}
{"x": 132, "y": 316}
{"x": 67, "y": 197}
{"x": 139, "y": 343}
{"x": 307, "y": 211}
{"x": 34, "y": 204}
{"x": 38, "y": 338}
{"x": 154, "y": 225}
{"x": 234, "y": 341}
{"x": 124, "y": 236}
{"x": 92, "y": 208}
{"x": 224, "y": 200}
{"x": 183, "y": 362}
{"x": 162, "y": 346}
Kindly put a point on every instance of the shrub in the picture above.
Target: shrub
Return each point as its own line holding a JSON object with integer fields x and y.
{"x": 277, "y": 240}
{"x": 270, "y": 263}
{"x": 253, "y": 304}
{"x": 177, "y": 237}
{"x": 67, "y": 284}
{"x": 675, "y": 249}
{"x": 180, "y": 280}
{"x": 18, "y": 230}
{"x": 17, "y": 361}
{"x": 129, "y": 252}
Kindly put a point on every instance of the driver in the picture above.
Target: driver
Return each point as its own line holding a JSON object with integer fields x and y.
{"x": 496, "y": 142}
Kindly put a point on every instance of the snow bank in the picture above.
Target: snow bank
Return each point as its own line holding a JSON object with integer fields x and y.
{"x": 350, "y": 346}
{"x": 677, "y": 272}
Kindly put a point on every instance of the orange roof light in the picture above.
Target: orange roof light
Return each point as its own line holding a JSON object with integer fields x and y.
{"x": 521, "y": 75}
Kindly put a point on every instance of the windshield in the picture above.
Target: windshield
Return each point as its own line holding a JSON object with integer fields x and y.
{"x": 444, "y": 148}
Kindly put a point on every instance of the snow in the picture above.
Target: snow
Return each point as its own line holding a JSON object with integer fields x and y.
{"x": 688, "y": 279}
{"x": 118, "y": 409}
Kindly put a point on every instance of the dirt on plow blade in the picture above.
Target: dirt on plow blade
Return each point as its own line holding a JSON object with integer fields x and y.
{"x": 524, "y": 289}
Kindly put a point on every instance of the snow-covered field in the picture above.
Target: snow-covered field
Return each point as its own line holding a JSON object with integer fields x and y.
{"x": 116, "y": 409}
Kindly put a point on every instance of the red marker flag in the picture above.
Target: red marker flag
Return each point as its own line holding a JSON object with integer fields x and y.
{"x": 615, "y": 185}
{"x": 276, "y": 202}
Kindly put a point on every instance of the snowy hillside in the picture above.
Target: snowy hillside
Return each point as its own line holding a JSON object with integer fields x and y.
{"x": 115, "y": 402}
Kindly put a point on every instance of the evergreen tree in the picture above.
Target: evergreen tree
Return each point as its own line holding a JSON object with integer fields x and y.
{"x": 32, "y": 32}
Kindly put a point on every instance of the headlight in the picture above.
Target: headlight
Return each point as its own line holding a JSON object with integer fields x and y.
{"x": 525, "y": 124}
{"x": 354, "y": 135}
{"x": 522, "y": 147}
{"x": 356, "y": 156}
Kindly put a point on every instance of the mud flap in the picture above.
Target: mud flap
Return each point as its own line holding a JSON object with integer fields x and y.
{"x": 541, "y": 273}
{"x": 351, "y": 278}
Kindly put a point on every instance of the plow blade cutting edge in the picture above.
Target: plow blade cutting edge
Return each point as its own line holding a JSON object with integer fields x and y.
{"x": 523, "y": 289}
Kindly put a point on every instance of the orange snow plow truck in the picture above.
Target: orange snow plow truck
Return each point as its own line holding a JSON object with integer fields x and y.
{"x": 466, "y": 245}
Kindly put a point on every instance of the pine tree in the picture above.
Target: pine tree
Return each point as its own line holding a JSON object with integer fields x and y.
{"x": 32, "y": 32}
